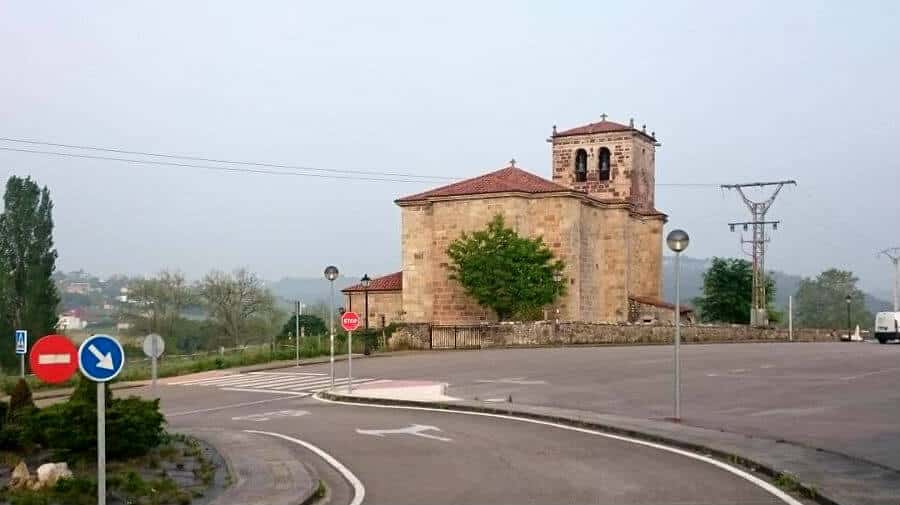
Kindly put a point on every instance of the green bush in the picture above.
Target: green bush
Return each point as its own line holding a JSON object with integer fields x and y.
{"x": 20, "y": 399}
{"x": 134, "y": 426}
{"x": 86, "y": 392}
{"x": 52, "y": 428}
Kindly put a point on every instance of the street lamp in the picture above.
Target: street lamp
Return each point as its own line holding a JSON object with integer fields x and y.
{"x": 677, "y": 240}
{"x": 366, "y": 281}
{"x": 331, "y": 273}
{"x": 557, "y": 277}
{"x": 848, "y": 300}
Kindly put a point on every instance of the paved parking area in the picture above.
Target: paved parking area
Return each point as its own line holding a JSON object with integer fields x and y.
{"x": 843, "y": 397}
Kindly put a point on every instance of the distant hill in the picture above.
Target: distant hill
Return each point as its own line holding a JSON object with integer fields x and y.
{"x": 692, "y": 270}
{"x": 310, "y": 290}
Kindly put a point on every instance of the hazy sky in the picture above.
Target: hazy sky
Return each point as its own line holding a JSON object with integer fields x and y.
{"x": 759, "y": 91}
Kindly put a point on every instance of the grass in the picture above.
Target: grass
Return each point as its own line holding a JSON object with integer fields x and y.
{"x": 787, "y": 482}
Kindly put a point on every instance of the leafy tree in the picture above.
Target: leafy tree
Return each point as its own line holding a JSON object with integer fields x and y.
{"x": 505, "y": 272}
{"x": 727, "y": 292}
{"x": 314, "y": 325}
{"x": 28, "y": 297}
{"x": 237, "y": 302}
{"x": 821, "y": 302}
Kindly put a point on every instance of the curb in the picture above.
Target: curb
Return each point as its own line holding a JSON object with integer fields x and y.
{"x": 805, "y": 491}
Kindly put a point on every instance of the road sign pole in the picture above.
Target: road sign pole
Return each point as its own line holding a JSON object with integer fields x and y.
{"x": 349, "y": 361}
{"x": 22, "y": 363}
{"x": 297, "y": 328}
{"x": 101, "y": 443}
{"x": 153, "y": 367}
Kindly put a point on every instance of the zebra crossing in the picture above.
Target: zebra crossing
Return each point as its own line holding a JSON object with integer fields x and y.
{"x": 300, "y": 384}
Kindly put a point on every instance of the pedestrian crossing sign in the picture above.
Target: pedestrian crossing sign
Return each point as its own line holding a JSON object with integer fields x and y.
{"x": 21, "y": 341}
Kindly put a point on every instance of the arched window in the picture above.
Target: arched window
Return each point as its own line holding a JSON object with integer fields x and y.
{"x": 580, "y": 165}
{"x": 603, "y": 165}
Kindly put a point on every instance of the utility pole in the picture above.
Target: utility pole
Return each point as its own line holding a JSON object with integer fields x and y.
{"x": 893, "y": 253}
{"x": 759, "y": 315}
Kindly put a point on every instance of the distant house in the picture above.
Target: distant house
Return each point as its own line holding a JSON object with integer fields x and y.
{"x": 72, "y": 320}
{"x": 78, "y": 288}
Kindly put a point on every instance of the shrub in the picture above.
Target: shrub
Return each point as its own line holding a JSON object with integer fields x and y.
{"x": 52, "y": 428}
{"x": 86, "y": 392}
{"x": 20, "y": 399}
{"x": 134, "y": 426}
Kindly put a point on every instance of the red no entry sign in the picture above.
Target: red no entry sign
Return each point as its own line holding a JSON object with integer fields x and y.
{"x": 53, "y": 359}
{"x": 350, "y": 321}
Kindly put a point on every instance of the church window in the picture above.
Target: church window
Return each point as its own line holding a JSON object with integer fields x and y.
{"x": 580, "y": 165}
{"x": 604, "y": 164}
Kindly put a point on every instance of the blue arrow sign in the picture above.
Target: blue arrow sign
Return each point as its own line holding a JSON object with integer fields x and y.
{"x": 21, "y": 341}
{"x": 101, "y": 358}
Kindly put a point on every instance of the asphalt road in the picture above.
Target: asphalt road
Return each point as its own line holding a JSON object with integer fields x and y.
{"x": 461, "y": 458}
{"x": 843, "y": 397}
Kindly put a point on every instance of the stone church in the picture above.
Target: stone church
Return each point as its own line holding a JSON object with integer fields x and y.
{"x": 596, "y": 214}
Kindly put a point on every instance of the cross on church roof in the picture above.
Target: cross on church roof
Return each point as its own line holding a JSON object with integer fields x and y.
{"x": 603, "y": 117}
{"x": 512, "y": 163}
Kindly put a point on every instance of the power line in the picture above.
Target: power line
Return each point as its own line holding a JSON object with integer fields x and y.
{"x": 223, "y": 161}
{"x": 298, "y": 170}
{"x": 207, "y": 167}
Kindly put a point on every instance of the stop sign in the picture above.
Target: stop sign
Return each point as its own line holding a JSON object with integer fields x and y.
{"x": 350, "y": 321}
{"x": 53, "y": 359}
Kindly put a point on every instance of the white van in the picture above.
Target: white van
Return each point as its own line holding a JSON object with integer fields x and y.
{"x": 887, "y": 326}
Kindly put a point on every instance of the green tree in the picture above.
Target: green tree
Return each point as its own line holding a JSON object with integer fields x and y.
{"x": 505, "y": 272}
{"x": 312, "y": 324}
{"x": 727, "y": 292}
{"x": 156, "y": 303}
{"x": 28, "y": 296}
{"x": 239, "y": 303}
{"x": 821, "y": 302}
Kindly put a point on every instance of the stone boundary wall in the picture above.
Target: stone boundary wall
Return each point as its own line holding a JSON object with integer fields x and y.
{"x": 548, "y": 333}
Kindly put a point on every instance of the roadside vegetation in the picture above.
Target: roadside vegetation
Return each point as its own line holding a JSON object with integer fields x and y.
{"x": 146, "y": 464}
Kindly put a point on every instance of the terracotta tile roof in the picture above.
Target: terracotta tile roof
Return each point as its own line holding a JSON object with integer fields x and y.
{"x": 656, "y": 302}
{"x": 390, "y": 282}
{"x": 509, "y": 179}
{"x": 600, "y": 127}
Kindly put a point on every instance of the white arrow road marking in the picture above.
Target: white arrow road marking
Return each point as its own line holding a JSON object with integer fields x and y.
{"x": 54, "y": 359}
{"x": 413, "y": 429}
{"x": 265, "y": 416}
{"x": 105, "y": 362}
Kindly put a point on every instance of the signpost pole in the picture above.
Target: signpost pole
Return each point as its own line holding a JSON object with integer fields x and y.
{"x": 22, "y": 363}
{"x": 791, "y": 318}
{"x": 349, "y": 361}
{"x": 297, "y": 328}
{"x": 155, "y": 347}
{"x": 101, "y": 443}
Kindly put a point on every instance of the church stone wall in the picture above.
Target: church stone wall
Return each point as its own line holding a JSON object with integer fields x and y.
{"x": 416, "y": 244}
{"x": 385, "y": 307}
{"x": 645, "y": 275}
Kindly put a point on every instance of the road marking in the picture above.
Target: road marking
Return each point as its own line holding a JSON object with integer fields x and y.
{"x": 359, "y": 491}
{"x": 513, "y": 380}
{"x": 265, "y": 416}
{"x": 286, "y": 373}
{"x": 724, "y": 466}
{"x": 867, "y": 374}
{"x": 767, "y": 366}
{"x": 495, "y": 400}
{"x": 413, "y": 429}
{"x": 232, "y": 406}
{"x": 250, "y": 390}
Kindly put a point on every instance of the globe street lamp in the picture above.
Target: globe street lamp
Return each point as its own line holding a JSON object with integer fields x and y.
{"x": 331, "y": 273}
{"x": 848, "y": 300}
{"x": 557, "y": 277}
{"x": 677, "y": 240}
{"x": 366, "y": 281}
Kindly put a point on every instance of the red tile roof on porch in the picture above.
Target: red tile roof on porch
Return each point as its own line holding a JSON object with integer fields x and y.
{"x": 508, "y": 179}
{"x": 656, "y": 302}
{"x": 390, "y": 282}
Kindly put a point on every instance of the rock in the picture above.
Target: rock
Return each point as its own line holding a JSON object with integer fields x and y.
{"x": 20, "y": 476}
{"x": 49, "y": 473}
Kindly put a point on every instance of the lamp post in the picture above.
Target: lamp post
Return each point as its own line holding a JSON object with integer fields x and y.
{"x": 557, "y": 276}
{"x": 366, "y": 282}
{"x": 331, "y": 273}
{"x": 678, "y": 240}
{"x": 848, "y": 300}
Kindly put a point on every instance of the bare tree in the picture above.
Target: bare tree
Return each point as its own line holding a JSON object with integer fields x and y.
{"x": 157, "y": 302}
{"x": 236, "y": 300}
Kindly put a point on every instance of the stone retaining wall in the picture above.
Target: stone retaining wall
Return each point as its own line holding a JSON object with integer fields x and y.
{"x": 416, "y": 336}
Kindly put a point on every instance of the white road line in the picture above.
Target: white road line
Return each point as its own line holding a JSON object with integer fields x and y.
{"x": 250, "y": 390}
{"x": 285, "y": 373}
{"x": 724, "y": 466}
{"x": 305, "y": 383}
{"x": 341, "y": 383}
{"x": 867, "y": 374}
{"x": 255, "y": 380}
{"x": 231, "y": 406}
{"x": 197, "y": 381}
{"x": 359, "y": 491}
